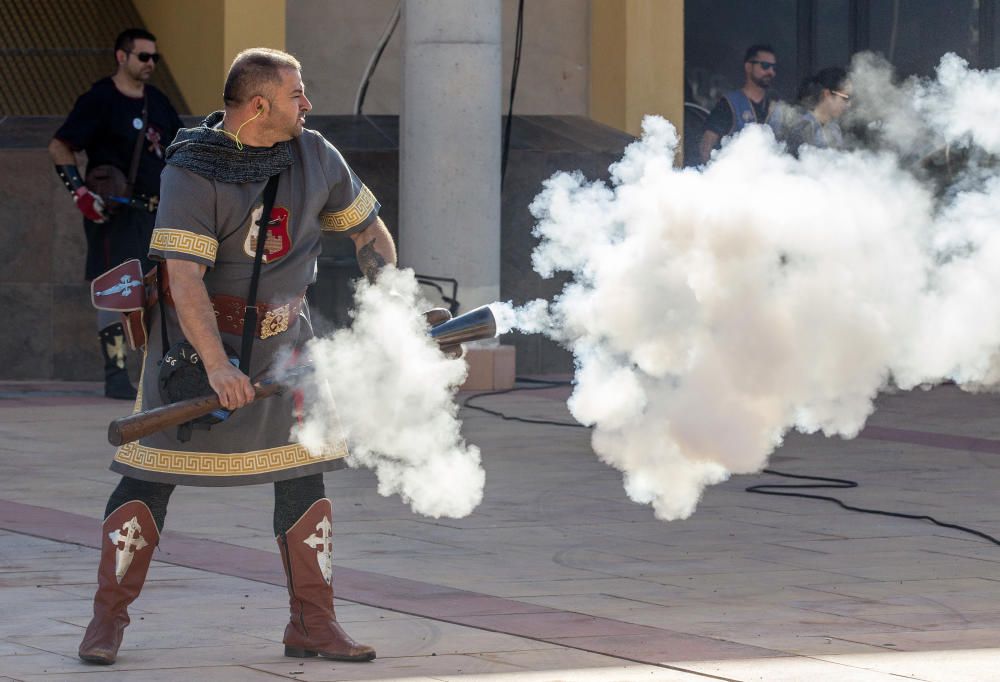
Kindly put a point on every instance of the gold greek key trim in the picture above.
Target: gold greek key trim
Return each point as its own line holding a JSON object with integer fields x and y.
{"x": 182, "y": 241}
{"x": 353, "y": 215}
{"x": 223, "y": 464}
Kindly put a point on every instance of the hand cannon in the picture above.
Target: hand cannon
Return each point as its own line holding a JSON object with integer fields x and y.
{"x": 449, "y": 333}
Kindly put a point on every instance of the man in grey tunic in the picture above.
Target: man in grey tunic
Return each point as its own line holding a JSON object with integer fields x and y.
{"x": 206, "y": 242}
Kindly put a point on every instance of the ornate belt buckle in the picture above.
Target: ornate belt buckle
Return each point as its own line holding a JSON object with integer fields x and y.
{"x": 275, "y": 321}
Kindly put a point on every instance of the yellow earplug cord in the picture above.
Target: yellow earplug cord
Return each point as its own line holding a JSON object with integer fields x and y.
{"x": 236, "y": 137}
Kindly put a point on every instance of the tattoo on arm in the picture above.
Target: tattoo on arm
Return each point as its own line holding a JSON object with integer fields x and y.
{"x": 370, "y": 260}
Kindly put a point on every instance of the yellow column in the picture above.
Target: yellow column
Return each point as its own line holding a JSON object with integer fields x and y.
{"x": 252, "y": 23}
{"x": 199, "y": 39}
{"x": 636, "y": 62}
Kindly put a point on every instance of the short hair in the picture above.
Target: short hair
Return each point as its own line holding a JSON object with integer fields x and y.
{"x": 126, "y": 39}
{"x": 253, "y": 70}
{"x": 754, "y": 50}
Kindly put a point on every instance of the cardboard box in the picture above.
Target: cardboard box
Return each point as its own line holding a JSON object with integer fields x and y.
{"x": 490, "y": 369}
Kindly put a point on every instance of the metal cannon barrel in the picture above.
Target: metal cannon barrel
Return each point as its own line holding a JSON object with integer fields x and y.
{"x": 474, "y": 325}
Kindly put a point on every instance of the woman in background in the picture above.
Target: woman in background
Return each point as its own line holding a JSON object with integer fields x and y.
{"x": 825, "y": 97}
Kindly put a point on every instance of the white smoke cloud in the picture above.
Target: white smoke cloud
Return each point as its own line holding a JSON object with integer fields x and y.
{"x": 385, "y": 387}
{"x": 712, "y": 310}
{"x": 955, "y": 110}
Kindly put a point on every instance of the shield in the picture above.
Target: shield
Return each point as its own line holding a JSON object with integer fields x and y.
{"x": 120, "y": 288}
{"x": 278, "y": 241}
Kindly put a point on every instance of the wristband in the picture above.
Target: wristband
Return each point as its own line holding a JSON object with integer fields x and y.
{"x": 70, "y": 175}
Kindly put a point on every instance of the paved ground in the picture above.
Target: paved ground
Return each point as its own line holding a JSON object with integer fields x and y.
{"x": 556, "y": 576}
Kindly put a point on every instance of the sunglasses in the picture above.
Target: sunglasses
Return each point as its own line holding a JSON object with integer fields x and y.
{"x": 842, "y": 95}
{"x": 766, "y": 66}
{"x": 146, "y": 56}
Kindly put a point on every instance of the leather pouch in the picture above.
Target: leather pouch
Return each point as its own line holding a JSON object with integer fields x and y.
{"x": 109, "y": 183}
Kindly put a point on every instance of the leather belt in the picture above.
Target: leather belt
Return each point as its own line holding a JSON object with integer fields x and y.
{"x": 146, "y": 202}
{"x": 139, "y": 201}
{"x": 274, "y": 319}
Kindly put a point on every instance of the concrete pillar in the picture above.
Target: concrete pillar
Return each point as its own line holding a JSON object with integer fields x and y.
{"x": 450, "y": 136}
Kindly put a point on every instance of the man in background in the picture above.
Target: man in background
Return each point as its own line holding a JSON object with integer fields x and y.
{"x": 123, "y": 124}
{"x": 750, "y": 104}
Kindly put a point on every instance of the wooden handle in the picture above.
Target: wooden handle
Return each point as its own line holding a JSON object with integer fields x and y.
{"x": 135, "y": 426}
{"x": 449, "y": 334}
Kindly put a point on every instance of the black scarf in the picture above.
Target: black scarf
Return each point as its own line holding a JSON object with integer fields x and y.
{"x": 209, "y": 152}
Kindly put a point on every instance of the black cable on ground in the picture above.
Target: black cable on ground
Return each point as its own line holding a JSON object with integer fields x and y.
{"x": 543, "y": 384}
{"x": 774, "y": 488}
{"x": 761, "y": 489}
{"x": 518, "y": 41}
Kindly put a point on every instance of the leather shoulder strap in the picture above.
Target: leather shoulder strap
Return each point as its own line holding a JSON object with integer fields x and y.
{"x": 133, "y": 169}
{"x": 250, "y": 312}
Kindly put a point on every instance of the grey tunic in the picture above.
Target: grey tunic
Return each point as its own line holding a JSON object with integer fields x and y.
{"x": 212, "y": 223}
{"x": 809, "y": 131}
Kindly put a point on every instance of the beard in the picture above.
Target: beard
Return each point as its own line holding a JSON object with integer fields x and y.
{"x": 142, "y": 74}
{"x": 763, "y": 81}
{"x": 286, "y": 131}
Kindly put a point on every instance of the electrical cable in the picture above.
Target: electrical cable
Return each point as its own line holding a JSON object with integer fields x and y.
{"x": 359, "y": 99}
{"x": 452, "y": 301}
{"x": 761, "y": 489}
{"x": 772, "y": 489}
{"x": 516, "y": 68}
{"x": 526, "y": 420}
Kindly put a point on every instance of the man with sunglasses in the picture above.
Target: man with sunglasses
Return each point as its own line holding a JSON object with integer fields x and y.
{"x": 750, "y": 104}
{"x": 124, "y": 125}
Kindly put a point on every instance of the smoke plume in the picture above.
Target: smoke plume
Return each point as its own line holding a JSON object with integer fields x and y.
{"x": 385, "y": 387}
{"x": 712, "y": 310}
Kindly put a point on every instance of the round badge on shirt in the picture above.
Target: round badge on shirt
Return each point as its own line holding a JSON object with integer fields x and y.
{"x": 137, "y": 123}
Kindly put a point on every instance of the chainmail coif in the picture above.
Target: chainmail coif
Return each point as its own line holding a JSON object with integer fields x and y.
{"x": 207, "y": 151}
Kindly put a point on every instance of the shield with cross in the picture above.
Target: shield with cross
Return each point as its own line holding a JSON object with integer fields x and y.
{"x": 323, "y": 544}
{"x": 127, "y": 541}
{"x": 120, "y": 288}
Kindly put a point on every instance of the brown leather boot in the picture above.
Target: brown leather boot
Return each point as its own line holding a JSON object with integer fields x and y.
{"x": 130, "y": 535}
{"x": 306, "y": 552}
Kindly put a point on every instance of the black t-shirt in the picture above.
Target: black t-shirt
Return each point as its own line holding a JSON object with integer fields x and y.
{"x": 104, "y": 123}
{"x": 720, "y": 120}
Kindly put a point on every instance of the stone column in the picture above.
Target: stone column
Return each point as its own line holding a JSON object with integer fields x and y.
{"x": 450, "y": 137}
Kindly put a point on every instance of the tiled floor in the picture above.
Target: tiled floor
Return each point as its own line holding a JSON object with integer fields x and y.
{"x": 556, "y": 576}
